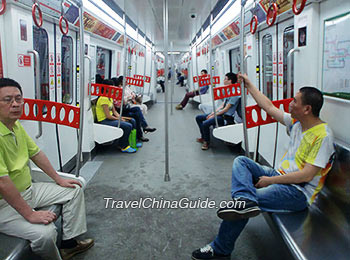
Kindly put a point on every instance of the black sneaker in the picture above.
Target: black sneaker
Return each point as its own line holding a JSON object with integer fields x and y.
{"x": 207, "y": 252}
{"x": 240, "y": 208}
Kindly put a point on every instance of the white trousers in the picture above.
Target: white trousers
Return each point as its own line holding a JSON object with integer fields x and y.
{"x": 43, "y": 237}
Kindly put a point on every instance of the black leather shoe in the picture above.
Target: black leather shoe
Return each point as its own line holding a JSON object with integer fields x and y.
{"x": 149, "y": 130}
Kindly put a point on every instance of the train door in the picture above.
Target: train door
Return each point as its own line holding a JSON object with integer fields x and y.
{"x": 44, "y": 44}
{"x": 285, "y": 32}
{"x": 66, "y": 92}
{"x": 275, "y": 42}
{"x": 268, "y": 59}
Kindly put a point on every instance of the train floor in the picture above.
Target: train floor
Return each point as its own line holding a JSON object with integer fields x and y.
{"x": 167, "y": 233}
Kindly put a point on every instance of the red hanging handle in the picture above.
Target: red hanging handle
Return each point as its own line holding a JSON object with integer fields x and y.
{"x": 135, "y": 82}
{"x": 253, "y": 24}
{"x": 34, "y": 8}
{"x": 61, "y": 26}
{"x": 272, "y": 11}
{"x": 195, "y": 79}
{"x": 295, "y": 9}
{"x": 3, "y": 7}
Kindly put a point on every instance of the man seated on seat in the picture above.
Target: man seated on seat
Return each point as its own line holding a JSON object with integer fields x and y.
{"x": 292, "y": 186}
{"x": 192, "y": 94}
{"x": 19, "y": 196}
{"x": 227, "y": 108}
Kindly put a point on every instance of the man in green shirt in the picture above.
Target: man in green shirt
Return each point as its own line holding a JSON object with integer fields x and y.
{"x": 19, "y": 196}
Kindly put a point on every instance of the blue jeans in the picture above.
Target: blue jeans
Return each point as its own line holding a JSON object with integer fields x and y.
{"x": 136, "y": 113}
{"x": 273, "y": 198}
{"x": 126, "y": 126}
{"x": 204, "y": 125}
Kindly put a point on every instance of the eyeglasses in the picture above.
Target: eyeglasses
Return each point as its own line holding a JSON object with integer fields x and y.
{"x": 10, "y": 100}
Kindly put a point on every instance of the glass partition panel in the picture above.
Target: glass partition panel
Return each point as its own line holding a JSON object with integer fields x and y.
{"x": 67, "y": 69}
{"x": 267, "y": 65}
{"x": 288, "y": 44}
{"x": 41, "y": 45}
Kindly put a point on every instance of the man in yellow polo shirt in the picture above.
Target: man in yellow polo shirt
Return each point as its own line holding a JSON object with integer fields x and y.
{"x": 19, "y": 196}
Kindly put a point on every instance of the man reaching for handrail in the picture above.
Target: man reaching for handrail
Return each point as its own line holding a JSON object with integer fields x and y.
{"x": 292, "y": 186}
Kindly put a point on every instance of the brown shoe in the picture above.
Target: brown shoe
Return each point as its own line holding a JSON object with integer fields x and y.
{"x": 83, "y": 245}
{"x": 200, "y": 140}
{"x": 179, "y": 107}
{"x": 205, "y": 145}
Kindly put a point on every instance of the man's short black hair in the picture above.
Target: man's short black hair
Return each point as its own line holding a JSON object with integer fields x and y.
{"x": 313, "y": 97}
{"x": 232, "y": 76}
{"x": 204, "y": 71}
{"x": 7, "y": 82}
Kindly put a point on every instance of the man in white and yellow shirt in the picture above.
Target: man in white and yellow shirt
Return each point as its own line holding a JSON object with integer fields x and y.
{"x": 292, "y": 186}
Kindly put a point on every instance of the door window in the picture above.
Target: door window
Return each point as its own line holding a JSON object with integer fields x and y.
{"x": 267, "y": 65}
{"x": 67, "y": 69}
{"x": 103, "y": 62}
{"x": 288, "y": 44}
{"x": 41, "y": 45}
{"x": 235, "y": 60}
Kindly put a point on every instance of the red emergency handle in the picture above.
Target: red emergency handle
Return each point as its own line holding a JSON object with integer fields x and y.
{"x": 3, "y": 7}
{"x": 253, "y": 24}
{"x": 272, "y": 11}
{"x": 34, "y": 8}
{"x": 61, "y": 26}
{"x": 295, "y": 9}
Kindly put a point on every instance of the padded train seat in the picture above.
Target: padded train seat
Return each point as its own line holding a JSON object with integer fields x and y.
{"x": 13, "y": 248}
{"x": 322, "y": 231}
{"x": 104, "y": 133}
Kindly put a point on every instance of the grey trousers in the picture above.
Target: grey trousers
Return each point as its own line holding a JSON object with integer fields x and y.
{"x": 43, "y": 237}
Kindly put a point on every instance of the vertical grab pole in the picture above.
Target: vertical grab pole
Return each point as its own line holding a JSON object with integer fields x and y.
{"x": 212, "y": 68}
{"x": 165, "y": 25}
{"x": 37, "y": 86}
{"x": 124, "y": 71}
{"x": 244, "y": 93}
{"x": 150, "y": 74}
{"x": 82, "y": 90}
{"x": 172, "y": 77}
{"x": 289, "y": 70}
{"x": 90, "y": 77}
{"x": 144, "y": 69}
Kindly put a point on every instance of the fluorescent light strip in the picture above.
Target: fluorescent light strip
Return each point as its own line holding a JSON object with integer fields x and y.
{"x": 227, "y": 17}
{"x": 92, "y": 9}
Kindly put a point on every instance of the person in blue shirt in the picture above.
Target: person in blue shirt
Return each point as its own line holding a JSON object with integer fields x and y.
{"x": 194, "y": 93}
{"x": 228, "y": 108}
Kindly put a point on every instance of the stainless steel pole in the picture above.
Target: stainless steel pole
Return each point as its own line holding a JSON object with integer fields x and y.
{"x": 82, "y": 89}
{"x": 243, "y": 91}
{"x": 165, "y": 25}
{"x": 212, "y": 70}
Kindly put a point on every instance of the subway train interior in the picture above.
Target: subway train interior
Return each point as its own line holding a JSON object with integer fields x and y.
{"x": 148, "y": 195}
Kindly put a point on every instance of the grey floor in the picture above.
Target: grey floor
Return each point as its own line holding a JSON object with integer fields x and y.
{"x": 167, "y": 233}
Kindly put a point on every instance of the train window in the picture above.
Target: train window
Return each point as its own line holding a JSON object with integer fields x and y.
{"x": 235, "y": 58}
{"x": 288, "y": 44}
{"x": 267, "y": 65}
{"x": 41, "y": 45}
{"x": 67, "y": 69}
{"x": 103, "y": 62}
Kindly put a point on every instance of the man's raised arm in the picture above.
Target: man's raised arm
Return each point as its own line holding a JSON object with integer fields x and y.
{"x": 261, "y": 99}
